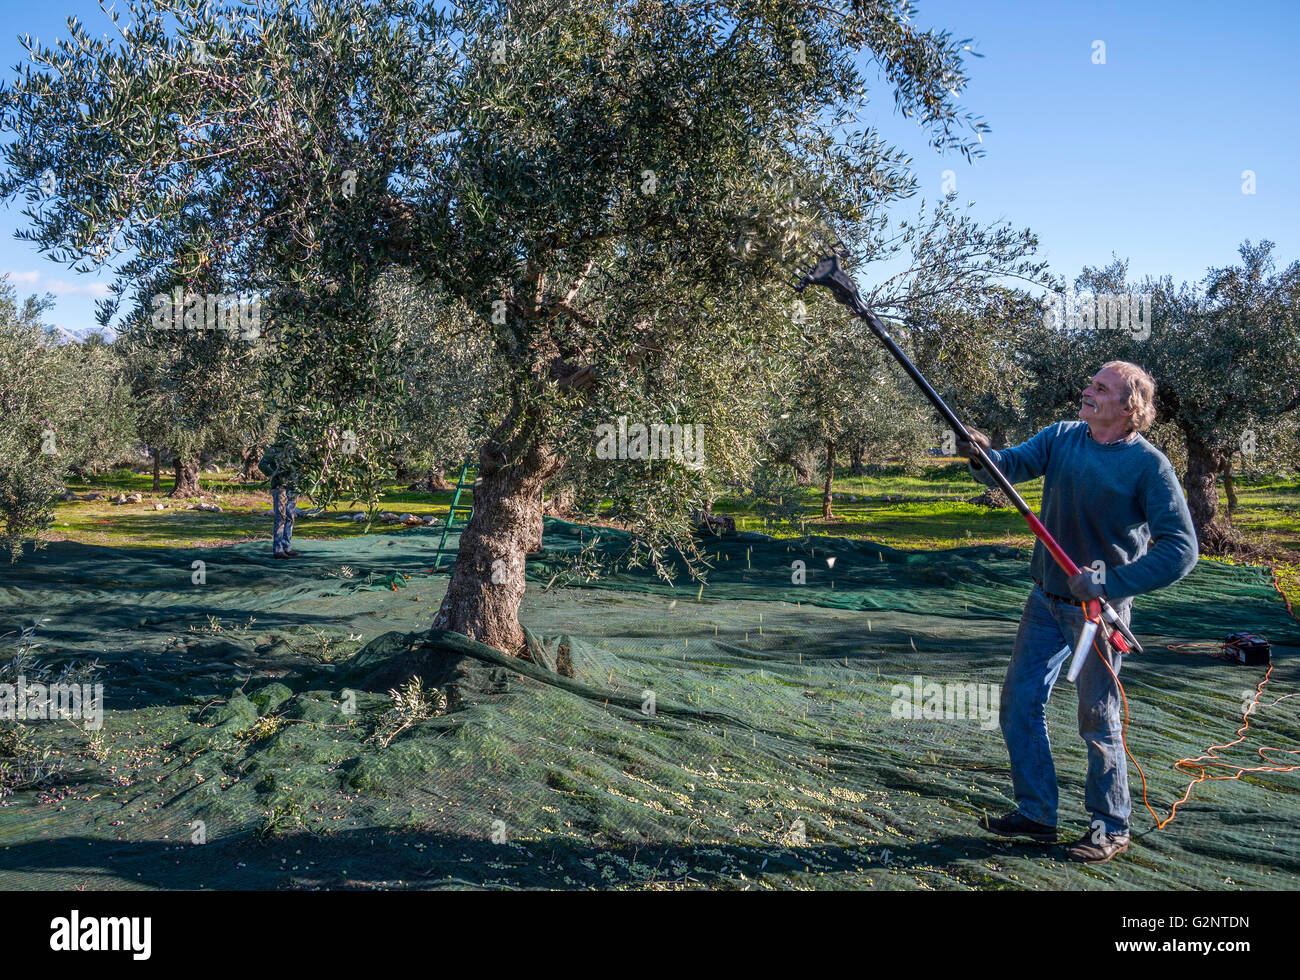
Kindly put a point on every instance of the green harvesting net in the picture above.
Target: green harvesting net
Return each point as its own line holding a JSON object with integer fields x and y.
{"x": 749, "y": 734}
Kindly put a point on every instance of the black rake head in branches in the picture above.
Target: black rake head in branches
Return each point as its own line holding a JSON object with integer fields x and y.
{"x": 828, "y": 270}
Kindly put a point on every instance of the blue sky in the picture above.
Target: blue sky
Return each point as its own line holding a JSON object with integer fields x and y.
{"x": 1141, "y": 156}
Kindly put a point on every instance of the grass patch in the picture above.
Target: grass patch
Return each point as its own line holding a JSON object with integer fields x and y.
{"x": 924, "y": 510}
{"x": 245, "y": 513}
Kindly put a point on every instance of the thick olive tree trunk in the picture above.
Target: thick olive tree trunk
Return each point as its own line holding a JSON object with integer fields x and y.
{"x": 433, "y": 479}
{"x": 858, "y": 460}
{"x": 187, "y": 478}
{"x": 1203, "y": 465}
{"x": 249, "y": 471}
{"x": 487, "y": 579}
{"x": 1230, "y": 488}
{"x": 830, "y": 476}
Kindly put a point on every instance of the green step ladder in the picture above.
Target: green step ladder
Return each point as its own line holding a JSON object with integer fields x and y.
{"x": 456, "y": 508}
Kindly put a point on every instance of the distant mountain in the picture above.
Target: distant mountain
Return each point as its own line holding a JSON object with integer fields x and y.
{"x": 63, "y": 335}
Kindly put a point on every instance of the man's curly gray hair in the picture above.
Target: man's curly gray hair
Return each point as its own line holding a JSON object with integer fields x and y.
{"x": 1141, "y": 394}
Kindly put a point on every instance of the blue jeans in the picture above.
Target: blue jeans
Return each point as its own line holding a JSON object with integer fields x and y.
{"x": 282, "y": 504}
{"x": 1044, "y": 644}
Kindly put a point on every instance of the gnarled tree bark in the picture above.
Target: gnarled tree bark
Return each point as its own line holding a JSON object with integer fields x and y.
{"x": 249, "y": 471}
{"x": 187, "y": 478}
{"x": 858, "y": 460}
{"x": 1203, "y": 465}
{"x": 487, "y": 579}
{"x": 433, "y": 479}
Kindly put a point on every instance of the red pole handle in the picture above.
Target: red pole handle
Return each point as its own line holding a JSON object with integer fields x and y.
{"x": 1042, "y": 534}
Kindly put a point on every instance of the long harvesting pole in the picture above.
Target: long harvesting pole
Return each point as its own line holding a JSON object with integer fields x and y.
{"x": 828, "y": 272}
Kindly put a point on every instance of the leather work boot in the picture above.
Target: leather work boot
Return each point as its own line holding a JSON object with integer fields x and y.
{"x": 1085, "y": 850}
{"x": 1015, "y": 824}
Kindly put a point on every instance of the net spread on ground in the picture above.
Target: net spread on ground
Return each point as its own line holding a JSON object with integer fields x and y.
{"x": 752, "y": 733}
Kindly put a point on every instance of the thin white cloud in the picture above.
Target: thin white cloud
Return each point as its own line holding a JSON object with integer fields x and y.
{"x": 61, "y": 287}
{"x": 33, "y": 279}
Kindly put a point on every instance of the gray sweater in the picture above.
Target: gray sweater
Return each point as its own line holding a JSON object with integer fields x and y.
{"x": 1120, "y": 503}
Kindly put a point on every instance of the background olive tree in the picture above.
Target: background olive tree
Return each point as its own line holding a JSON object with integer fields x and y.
{"x": 198, "y": 390}
{"x": 1226, "y": 358}
{"x": 445, "y": 378}
{"x": 64, "y": 409}
{"x": 951, "y": 310}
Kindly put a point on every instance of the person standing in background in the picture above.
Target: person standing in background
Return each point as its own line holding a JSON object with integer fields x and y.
{"x": 280, "y": 464}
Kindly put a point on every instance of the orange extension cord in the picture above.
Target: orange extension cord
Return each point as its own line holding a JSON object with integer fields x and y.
{"x": 1201, "y": 764}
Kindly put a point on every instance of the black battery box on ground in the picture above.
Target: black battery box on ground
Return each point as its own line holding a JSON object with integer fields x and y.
{"x": 1250, "y": 649}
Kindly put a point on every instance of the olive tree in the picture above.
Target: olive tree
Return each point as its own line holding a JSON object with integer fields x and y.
{"x": 605, "y": 186}
{"x": 29, "y": 472}
{"x": 63, "y": 408}
{"x": 96, "y": 424}
{"x": 197, "y": 384}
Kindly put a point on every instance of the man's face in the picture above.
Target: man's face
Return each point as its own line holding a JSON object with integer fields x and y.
{"x": 1104, "y": 398}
